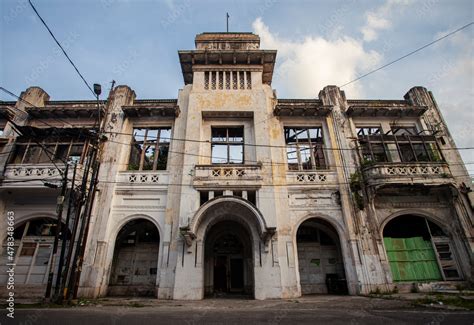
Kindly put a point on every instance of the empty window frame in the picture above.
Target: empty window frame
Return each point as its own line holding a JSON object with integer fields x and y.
{"x": 372, "y": 145}
{"x": 227, "y": 145}
{"x": 305, "y": 148}
{"x": 149, "y": 150}
{"x": 413, "y": 147}
{"x": 48, "y": 151}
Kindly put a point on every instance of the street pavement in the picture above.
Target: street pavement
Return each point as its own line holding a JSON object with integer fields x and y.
{"x": 307, "y": 310}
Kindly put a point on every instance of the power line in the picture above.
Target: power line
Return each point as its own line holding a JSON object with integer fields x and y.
{"x": 408, "y": 54}
{"x": 62, "y": 49}
{"x": 31, "y": 105}
{"x": 253, "y": 144}
{"x": 270, "y": 163}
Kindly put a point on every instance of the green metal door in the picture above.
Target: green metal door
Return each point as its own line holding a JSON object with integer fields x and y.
{"x": 412, "y": 259}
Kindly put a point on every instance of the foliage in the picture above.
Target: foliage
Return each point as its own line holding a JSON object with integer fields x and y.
{"x": 356, "y": 187}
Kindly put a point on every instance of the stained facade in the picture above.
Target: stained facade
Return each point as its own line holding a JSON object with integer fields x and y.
{"x": 229, "y": 189}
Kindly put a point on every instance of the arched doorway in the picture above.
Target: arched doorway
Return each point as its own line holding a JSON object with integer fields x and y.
{"x": 418, "y": 250}
{"x": 135, "y": 262}
{"x": 321, "y": 266}
{"x": 228, "y": 260}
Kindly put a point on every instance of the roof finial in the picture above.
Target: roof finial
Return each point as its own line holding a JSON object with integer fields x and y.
{"x": 227, "y": 15}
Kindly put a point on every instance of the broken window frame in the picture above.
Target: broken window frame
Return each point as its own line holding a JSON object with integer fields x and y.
{"x": 410, "y": 146}
{"x": 317, "y": 156}
{"x": 152, "y": 139}
{"x": 421, "y": 147}
{"x": 46, "y": 152}
{"x": 369, "y": 138}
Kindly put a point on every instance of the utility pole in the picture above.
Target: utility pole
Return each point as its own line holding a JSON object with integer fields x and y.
{"x": 86, "y": 212}
{"x": 58, "y": 297}
{"x": 68, "y": 268}
{"x": 59, "y": 209}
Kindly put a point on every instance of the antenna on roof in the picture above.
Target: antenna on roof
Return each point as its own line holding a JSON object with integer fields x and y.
{"x": 227, "y": 16}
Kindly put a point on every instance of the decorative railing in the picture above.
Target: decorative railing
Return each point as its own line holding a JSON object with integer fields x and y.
{"x": 143, "y": 177}
{"x": 227, "y": 175}
{"x": 408, "y": 172}
{"x": 32, "y": 171}
{"x": 322, "y": 177}
{"x": 36, "y": 174}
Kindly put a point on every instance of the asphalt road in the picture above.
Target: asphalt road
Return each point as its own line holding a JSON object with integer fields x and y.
{"x": 332, "y": 310}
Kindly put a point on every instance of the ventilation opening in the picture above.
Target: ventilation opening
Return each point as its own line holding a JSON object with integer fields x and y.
{"x": 252, "y": 197}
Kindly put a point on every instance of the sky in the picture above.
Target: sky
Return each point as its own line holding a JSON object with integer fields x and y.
{"x": 319, "y": 43}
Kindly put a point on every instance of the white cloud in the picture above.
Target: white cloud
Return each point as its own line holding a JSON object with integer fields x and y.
{"x": 306, "y": 66}
{"x": 379, "y": 19}
{"x": 452, "y": 83}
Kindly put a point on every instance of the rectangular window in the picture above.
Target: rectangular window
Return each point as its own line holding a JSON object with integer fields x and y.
{"x": 227, "y": 145}
{"x": 227, "y": 80}
{"x": 19, "y": 153}
{"x": 213, "y": 80}
{"x": 206, "y": 80}
{"x": 149, "y": 150}
{"x": 305, "y": 148}
{"x": 405, "y": 140}
{"x": 241, "y": 79}
{"x": 372, "y": 147}
{"x": 252, "y": 197}
{"x": 249, "y": 80}
{"x": 414, "y": 147}
{"x": 203, "y": 197}
{"x": 221, "y": 80}
{"x": 234, "y": 80}
{"x": 49, "y": 151}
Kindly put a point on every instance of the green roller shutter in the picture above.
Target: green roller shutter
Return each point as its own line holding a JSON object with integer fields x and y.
{"x": 412, "y": 259}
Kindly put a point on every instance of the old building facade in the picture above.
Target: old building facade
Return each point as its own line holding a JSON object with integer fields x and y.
{"x": 230, "y": 190}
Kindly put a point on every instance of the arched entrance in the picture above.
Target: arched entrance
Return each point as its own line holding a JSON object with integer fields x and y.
{"x": 228, "y": 260}
{"x": 418, "y": 250}
{"x": 232, "y": 231}
{"x": 321, "y": 266}
{"x": 135, "y": 262}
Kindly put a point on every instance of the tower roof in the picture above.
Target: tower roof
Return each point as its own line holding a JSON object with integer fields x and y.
{"x": 227, "y": 41}
{"x": 217, "y": 49}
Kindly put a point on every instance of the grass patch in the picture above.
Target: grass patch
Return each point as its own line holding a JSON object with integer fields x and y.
{"x": 455, "y": 301}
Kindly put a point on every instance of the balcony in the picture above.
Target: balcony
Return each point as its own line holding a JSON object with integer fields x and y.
{"x": 235, "y": 176}
{"x": 311, "y": 178}
{"x": 426, "y": 173}
{"x": 35, "y": 175}
{"x": 150, "y": 178}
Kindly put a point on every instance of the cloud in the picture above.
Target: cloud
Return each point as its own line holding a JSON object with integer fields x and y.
{"x": 306, "y": 66}
{"x": 379, "y": 19}
{"x": 452, "y": 83}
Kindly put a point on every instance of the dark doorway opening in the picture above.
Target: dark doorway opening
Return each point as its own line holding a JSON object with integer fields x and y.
{"x": 321, "y": 266}
{"x": 228, "y": 261}
{"x": 134, "y": 267}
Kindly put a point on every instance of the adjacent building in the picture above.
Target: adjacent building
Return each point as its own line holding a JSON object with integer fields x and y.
{"x": 228, "y": 189}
